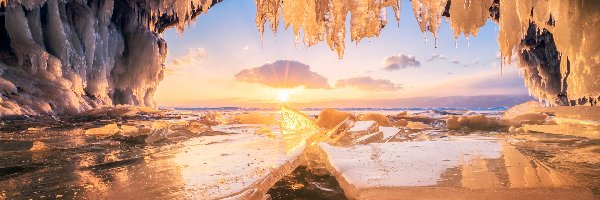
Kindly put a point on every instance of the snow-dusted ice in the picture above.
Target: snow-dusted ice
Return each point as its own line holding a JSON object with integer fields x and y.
{"x": 188, "y": 156}
{"x": 453, "y": 166}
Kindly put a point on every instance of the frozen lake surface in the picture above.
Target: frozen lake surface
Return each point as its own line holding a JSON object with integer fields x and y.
{"x": 180, "y": 159}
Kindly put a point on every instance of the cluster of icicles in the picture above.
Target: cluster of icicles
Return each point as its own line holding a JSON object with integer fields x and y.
{"x": 573, "y": 24}
{"x": 109, "y": 52}
{"x": 326, "y": 20}
{"x": 184, "y": 10}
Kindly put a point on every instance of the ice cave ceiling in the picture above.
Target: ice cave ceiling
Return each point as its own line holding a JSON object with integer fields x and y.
{"x": 67, "y": 56}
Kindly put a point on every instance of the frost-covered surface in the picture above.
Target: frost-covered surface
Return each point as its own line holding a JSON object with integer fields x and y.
{"x": 362, "y": 126}
{"x": 65, "y": 57}
{"x": 234, "y": 164}
{"x": 107, "y": 162}
{"x": 406, "y": 163}
{"x": 238, "y": 128}
{"x": 455, "y": 166}
{"x": 389, "y": 132}
{"x": 182, "y": 158}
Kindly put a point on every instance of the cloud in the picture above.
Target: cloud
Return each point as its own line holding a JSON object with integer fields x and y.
{"x": 368, "y": 83}
{"x": 456, "y": 62}
{"x": 435, "y": 57}
{"x": 475, "y": 62}
{"x": 400, "y": 61}
{"x": 283, "y": 74}
{"x": 194, "y": 56}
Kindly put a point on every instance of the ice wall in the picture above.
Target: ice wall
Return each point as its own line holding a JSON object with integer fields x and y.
{"x": 67, "y": 56}
{"x": 555, "y": 43}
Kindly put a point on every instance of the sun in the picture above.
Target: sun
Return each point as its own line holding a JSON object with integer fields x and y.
{"x": 283, "y": 95}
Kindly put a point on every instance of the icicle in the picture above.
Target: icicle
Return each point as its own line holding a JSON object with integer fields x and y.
{"x": 468, "y": 42}
{"x": 456, "y": 42}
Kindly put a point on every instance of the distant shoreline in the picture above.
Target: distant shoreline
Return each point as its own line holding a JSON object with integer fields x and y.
{"x": 499, "y": 108}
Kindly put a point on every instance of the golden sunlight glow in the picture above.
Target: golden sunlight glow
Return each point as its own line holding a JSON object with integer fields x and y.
{"x": 296, "y": 127}
{"x": 283, "y": 95}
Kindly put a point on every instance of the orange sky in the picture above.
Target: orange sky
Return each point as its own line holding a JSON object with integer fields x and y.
{"x": 222, "y": 62}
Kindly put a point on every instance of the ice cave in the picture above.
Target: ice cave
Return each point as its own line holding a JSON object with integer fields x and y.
{"x": 78, "y": 117}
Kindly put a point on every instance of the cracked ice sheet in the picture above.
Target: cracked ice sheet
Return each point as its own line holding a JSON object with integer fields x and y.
{"x": 224, "y": 165}
{"x": 460, "y": 167}
{"x": 407, "y": 163}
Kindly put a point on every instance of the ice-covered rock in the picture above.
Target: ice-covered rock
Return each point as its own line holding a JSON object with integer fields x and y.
{"x": 362, "y": 128}
{"x": 329, "y": 118}
{"x": 524, "y": 114}
{"x": 513, "y": 129}
{"x": 105, "y": 130}
{"x": 65, "y": 57}
{"x": 157, "y": 135}
{"x": 401, "y": 123}
{"x": 389, "y": 132}
{"x": 416, "y": 125}
{"x": 381, "y": 119}
{"x": 452, "y": 123}
{"x": 475, "y": 122}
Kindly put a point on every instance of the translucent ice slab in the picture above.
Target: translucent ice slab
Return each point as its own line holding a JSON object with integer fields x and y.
{"x": 463, "y": 167}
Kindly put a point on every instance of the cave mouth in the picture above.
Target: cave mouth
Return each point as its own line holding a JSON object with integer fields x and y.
{"x": 105, "y": 56}
{"x": 120, "y": 99}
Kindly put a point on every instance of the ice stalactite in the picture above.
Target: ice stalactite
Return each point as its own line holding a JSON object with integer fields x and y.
{"x": 468, "y": 16}
{"x": 325, "y": 20}
{"x": 556, "y": 43}
{"x": 65, "y": 57}
{"x": 429, "y": 15}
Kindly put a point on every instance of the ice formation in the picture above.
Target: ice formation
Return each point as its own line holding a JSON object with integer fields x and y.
{"x": 381, "y": 119}
{"x": 468, "y": 168}
{"x": 329, "y": 118}
{"x": 65, "y": 57}
{"x": 554, "y": 42}
{"x": 326, "y": 20}
{"x": 556, "y": 46}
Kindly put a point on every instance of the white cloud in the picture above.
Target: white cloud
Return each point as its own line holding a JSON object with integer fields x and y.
{"x": 400, "y": 61}
{"x": 368, "y": 83}
{"x": 435, "y": 57}
{"x": 283, "y": 74}
{"x": 194, "y": 56}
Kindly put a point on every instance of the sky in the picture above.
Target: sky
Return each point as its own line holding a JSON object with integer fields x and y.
{"x": 221, "y": 61}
